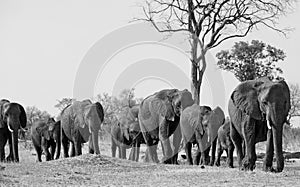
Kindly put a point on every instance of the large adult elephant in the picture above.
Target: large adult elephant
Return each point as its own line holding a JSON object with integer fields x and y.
{"x": 159, "y": 117}
{"x": 45, "y": 134}
{"x": 80, "y": 123}
{"x": 199, "y": 125}
{"x": 12, "y": 118}
{"x": 258, "y": 110}
{"x": 126, "y": 134}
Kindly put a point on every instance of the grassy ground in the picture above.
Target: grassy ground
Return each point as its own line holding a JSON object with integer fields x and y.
{"x": 96, "y": 170}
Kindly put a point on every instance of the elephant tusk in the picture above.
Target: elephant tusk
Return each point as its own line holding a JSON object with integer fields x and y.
{"x": 269, "y": 124}
{"x": 9, "y": 128}
{"x": 208, "y": 138}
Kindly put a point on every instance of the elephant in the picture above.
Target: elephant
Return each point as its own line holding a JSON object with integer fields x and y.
{"x": 12, "y": 118}
{"x": 45, "y": 134}
{"x": 126, "y": 134}
{"x": 159, "y": 117}
{"x": 80, "y": 123}
{"x": 258, "y": 110}
{"x": 199, "y": 125}
{"x": 225, "y": 143}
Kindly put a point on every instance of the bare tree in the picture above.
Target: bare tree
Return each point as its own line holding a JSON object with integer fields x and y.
{"x": 295, "y": 102}
{"x": 211, "y": 22}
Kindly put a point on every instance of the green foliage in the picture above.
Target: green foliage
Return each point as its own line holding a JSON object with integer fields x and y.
{"x": 248, "y": 61}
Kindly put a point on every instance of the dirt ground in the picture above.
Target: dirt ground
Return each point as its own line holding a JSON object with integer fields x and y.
{"x": 96, "y": 170}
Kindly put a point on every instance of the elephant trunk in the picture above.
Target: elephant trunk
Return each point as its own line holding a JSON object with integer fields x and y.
{"x": 277, "y": 141}
{"x": 276, "y": 120}
{"x": 15, "y": 146}
{"x": 95, "y": 142}
{"x": 58, "y": 146}
{"x": 13, "y": 125}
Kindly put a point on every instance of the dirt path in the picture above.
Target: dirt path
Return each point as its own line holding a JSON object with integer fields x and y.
{"x": 92, "y": 170}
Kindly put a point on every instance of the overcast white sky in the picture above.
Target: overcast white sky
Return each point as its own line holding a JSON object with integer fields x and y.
{"x": 43, "y": 43}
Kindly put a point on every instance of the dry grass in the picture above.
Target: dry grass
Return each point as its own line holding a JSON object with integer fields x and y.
{"x": 96, "y": 170}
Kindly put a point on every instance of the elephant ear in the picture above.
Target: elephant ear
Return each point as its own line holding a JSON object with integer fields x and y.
{"x": 286, "y": 92}
{"x": 162, "y": 103}
{"x": 245, "y": 98}
{"x": 79, "y": 111}
{"x": 163, "y": 108}
{"x": 190, "y": 122}
{"x": 22, "y": 117}
{"x": 216, "y": 119}
{"x": 100, "y": 111}
{"x": 2, "y": 122}
{"x": 91, "y": 112}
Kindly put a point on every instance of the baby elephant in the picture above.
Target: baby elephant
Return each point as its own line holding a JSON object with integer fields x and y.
{"x": 126, "y": 137}
{"x": 45, "y": 135}
{"x": 225, "y": 143}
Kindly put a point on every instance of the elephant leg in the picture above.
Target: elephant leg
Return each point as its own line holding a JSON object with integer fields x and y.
{"x": 113, "y": 148}
{"x": 165, "y": 141}
{"x": 198, "y": 156}
{"x": 91, "y": 145}
{"x": 77, "y": 145}
{"x": 72, "y": 148}
{"x": 230, "y": 155}
{"x": 177, "y": 136}
{"x": 204, "y": 156}
{"x": 188, "y": 152}
{"x": 38, "y": 149}
{"x": 249, "y": 137}
{"x": 123, "y": 152}
{"x": 268, "y": 160}
{"x": 45, "y": 146}
{"x": 52, "y": 149}
{"x": 237, "y": 141}
{"x": 10, "y": 158}
{"x": 137, "y": 153}
{"x": 132, "y": 153}
{"x": 151, "y": 151}
{"x": 3, "y": 141}
{"x": 213, "y": 152}
{"x": 219, "y": 154}
{"x": 120, "y": 151}
{"x": 65, "y": 144}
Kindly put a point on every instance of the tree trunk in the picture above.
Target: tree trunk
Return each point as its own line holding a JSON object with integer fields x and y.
{"x": 196, "y": 83}
{"x": 197, "y": 70}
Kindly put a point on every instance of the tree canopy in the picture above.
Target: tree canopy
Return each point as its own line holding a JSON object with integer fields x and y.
{"x": 248, "y": 61}
{"x": 208, "y": 23}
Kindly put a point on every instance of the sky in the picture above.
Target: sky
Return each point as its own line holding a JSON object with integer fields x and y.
{"x": 74, "y": 48}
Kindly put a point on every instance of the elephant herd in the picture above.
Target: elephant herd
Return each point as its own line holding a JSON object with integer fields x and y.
{"x": 257, "y": 112}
